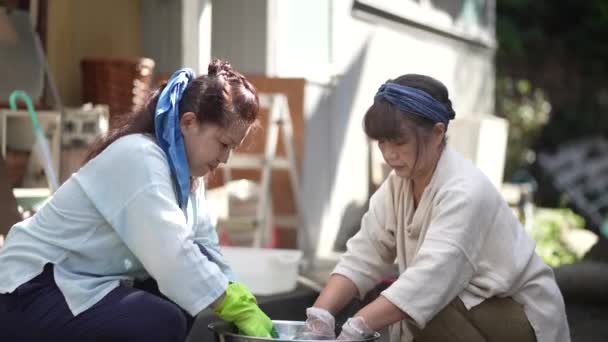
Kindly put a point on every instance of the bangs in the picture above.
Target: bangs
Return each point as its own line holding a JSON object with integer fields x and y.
{"x": 383, "y": 121}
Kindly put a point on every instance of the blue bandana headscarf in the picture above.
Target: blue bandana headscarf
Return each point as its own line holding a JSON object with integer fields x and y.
{"x": 415, "y": 101}
{"x": 168, "y": 133}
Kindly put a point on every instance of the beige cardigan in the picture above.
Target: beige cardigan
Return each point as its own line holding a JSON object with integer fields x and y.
{"x": 462, "y": 240}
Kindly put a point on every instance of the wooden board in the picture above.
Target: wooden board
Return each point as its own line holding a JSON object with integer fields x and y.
{"x": 282, "y": 194}
{"x": 8, "y": 205}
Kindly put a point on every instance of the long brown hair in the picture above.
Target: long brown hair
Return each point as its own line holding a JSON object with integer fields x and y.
{"x": 221, "y": 97}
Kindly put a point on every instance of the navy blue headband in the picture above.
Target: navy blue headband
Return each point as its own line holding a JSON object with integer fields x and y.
{"x": 415, "y": 101}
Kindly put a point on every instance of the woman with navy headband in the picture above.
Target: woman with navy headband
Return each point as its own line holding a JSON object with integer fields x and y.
{"x": 468, "y": 271}
{"x": 134, "y": 217}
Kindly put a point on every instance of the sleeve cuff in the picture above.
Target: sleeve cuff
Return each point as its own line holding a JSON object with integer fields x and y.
{"x": 363, "y": 283}
{"x": 392, "y": 295}
{"x": 211, "y": 296}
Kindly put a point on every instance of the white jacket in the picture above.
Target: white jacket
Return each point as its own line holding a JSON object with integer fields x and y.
{"x": 462, "y": 240}
{"x": 117, "y": 219}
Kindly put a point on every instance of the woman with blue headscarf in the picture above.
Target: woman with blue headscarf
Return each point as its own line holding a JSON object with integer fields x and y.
{"x": 467, "y": 270}
{"x": 135, "y": 212}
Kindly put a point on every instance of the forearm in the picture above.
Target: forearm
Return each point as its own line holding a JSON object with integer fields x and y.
{"x": 338, "y": 292}
{"x": 218, "y": 301}
{"x": 381, "y": 313}
{"x": 239, "y": 306}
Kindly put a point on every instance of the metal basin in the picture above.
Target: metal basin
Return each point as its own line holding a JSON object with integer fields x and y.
{"x": 287, "y": 330}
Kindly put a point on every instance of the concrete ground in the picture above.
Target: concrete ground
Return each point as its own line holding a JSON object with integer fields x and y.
{"x": 585, "y": 289}
{"x": 588, "y": 321}
{"x": 584, "y": 286}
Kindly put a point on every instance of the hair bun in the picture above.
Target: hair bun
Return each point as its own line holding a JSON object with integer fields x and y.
{"x": 218, "y": 67}
{"x": 451, "y": 113}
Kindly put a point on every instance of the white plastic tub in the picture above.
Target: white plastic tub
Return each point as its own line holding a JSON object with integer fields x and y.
{"x": 264, "y": 271}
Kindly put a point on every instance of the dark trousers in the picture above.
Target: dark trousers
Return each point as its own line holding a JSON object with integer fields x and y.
{"x": 37, "y": 311}
{"x": 494, "y": 320}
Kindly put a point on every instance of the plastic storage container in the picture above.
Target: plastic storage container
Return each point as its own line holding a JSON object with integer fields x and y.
{"x": 264, "y": 271}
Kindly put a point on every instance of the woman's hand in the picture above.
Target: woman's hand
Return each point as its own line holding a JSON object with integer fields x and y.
{"x": 355, "y": 329}
{"x": 320, "y": 322}
{"x": 240, "y": 307}
{"x": 320, "y": 325}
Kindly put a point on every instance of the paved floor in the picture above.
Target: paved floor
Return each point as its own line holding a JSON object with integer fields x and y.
{"x": 587, "y": 310}
{"x": 585, "y": 289}
{"x": 588, "y": 321}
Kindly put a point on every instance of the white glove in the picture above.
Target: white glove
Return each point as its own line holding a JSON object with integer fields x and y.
{"x": 320, "y": 325}
{"x": 355, "y": 329}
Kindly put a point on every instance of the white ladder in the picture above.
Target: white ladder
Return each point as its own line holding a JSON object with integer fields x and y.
{"x": 279, "y": 118}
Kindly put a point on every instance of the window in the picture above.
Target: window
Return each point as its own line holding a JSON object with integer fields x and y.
{"x": 469, "y": 20}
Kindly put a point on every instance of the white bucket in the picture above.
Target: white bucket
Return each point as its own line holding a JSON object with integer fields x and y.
{"x": 264, "y": 271}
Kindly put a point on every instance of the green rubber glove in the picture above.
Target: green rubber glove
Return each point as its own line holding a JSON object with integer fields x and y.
{"x": 240, "y": 307}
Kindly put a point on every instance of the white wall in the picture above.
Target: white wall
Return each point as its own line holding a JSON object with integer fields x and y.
{"x": 177, "y": 34}
{"x": 366, "y": 54}
{"x": 345, "y": 59}
{"x": 162, "y": 33}
{"x": 240, "y": 34}
{"x": 301, "y": 40}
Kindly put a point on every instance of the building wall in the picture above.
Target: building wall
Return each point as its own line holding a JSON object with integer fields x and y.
{"x": 83, "y": 28}
{"x": 345, "y": 57}
{"x": 365, "y": 54}
{"x": 240, "y": 33}
{"x": 161, "y": 34}
{"x": 177, "y": 34}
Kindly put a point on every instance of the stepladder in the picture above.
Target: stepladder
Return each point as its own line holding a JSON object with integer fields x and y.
{"x": 278, "y": 122}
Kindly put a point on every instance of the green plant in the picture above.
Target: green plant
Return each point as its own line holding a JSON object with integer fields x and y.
{"x": 549, "y": 228}
{"x": 527, "y": 109}
{"x": 556, "y": 46}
